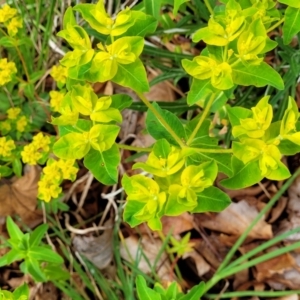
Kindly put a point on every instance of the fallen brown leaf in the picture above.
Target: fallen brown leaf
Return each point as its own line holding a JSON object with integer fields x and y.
{"x": 20, "y": 197}
{"x": 235, "y": 219}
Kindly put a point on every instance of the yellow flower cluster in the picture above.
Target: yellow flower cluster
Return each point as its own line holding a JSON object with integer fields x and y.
{"x": 15, "y": 121}
{"x": 53, "y": 175}
{"x": 59, "y": 74}
{"x": 10, "y": 20}
{"x": 34, "y": 151}
{"x": 56, "y": 98}
{"x": 7, "y": 70}
{"x": 6, "y": 146}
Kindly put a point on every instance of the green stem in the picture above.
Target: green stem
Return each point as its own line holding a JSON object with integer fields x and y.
{"x": 132, "y": 148}
{"x": 203, "y": 150}
{"x": 209, "y": 7}
{"x": 162, "y": 120}
{"x": 275, "y": 25}
{"x": 242, "y": 238}
{"x": 203, "y": 116}
{"x": 263, "y": 294}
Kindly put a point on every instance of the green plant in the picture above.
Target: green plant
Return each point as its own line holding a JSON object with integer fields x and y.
{"x": 40, "y": 261}
{"x": 20, "y": 293}
{"x": 187, "y": 156}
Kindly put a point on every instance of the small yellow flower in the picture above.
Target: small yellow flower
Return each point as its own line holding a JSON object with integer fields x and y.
{"x": 7, "y": 69}
{"x": 21, "y": 123}
{"x": 30, "y": 154}
{"x": 56, "y": 99}
{"x": 52, "y": 170}
{"x": 67, "y": 168}
{"x": 6, "y": 13}
{"x": 41, "y": 142}
{"x": 47, "y": 189}
{"x": 13, "y": 26}
{"x": 59, "y": 73}
{"x": 6, "y": 146}
{"x": 12, "y": 113}
{"x": 5, "y": 126}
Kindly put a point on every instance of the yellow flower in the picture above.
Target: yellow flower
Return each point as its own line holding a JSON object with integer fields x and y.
{"x": 30, "y": 154}
{"x": 21, "y": 123}
{"x": 6, "y": 146}
{"x": 12, "y": 113}
{"x": 56, "y": 99}
{"x": 6, "y": 13}
{"x": 5, "y": 126}
{"x": 13, "y": 26}
{"x": 7, "y": 69}
{"x": 67, "y": 168}
{"x": 59, "y": 73}
{"x": 47, "y": 189}
{"x": 52, "y": 170}
{"x": 41, "y": 142}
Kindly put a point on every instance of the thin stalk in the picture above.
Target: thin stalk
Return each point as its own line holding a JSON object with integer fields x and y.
{"x": 132, "y": 148}
{"x": 162, "y": 120}
{"x": 275, "y": 25}
{"x": 203, "y": 116}
{"x": 47, "y": 34}
{"x": 204, "y": 150}
{"x": 209, "y": 7}
{"x": 242, "y": 238}
{"x": 254, "y": 262}
{"x": 264, "y": 294}
{"x": 262, "y": 247}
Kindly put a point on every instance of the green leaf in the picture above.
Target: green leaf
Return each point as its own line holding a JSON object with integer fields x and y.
{"x": 71, "y": 146}
{"x": 291, "y": 24}
{"x": 10, "y": 257}
{"x": 8, "y": 42}
{"x": 200, "y": 91}
{"x": 292, "y": 3}
{"x": 244, "y": 175}
{"x": 5, "y": 171}
{"x": 21, "y": 292}
{"x": 37, "y": 235}
{"x": 130, "y": 209}
{"x": 223, "y": 160}
{"x": 152, "y": 7}
{"x": 237, "y": 113}
{"x": 286, "y": 147}
{"x": 13, "y": 229}
{"x": 177, "y": 4}
{"x": 81, "y": 125}
{"x": 145, "y": 293}
{"x": 257, "y": 75}
{"x": 44, "y": 254}
{"x": 158, "y": 131}
{"x": 143, "y": 25}
{"x": 104, "y": 165}
{"x": 195, "y": 293}
{"x": 133, "y": 76}
{"x": 35, "y": 270}
{"x": 120, "y": 101}
{"x": 211, "y": 199}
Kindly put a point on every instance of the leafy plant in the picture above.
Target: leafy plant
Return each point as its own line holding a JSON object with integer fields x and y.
{"x": 20, "y": 293}
{"x": 27, "y": 247}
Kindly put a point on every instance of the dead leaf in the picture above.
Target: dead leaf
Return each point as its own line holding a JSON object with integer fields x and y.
{"x": 48, "y": 291}
{"x": 96, "y": 249}
{"x": 20, "y": 197}
{"x": 202, "y": 266}
{"x": 290, "y": 297}
{"x": 131, "y": 251}
{"x": 276, "y": 265}
{"x": 177, "y": 224}
{"x": 235, "y": 219}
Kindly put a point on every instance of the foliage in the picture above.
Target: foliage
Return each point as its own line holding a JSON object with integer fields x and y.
{"x": 186, "y": 158}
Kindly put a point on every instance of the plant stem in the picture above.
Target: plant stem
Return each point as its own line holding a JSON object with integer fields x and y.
{"x": 161, "y": 119}
{"x": 204, "y": 150}
{"x": 242, "y": 238}
{"x": 209, "y": 7}
{"x": 23, "y": 62}
{"x": 132, "y": 148}
{"x": 203, "y": 116}
{"x": 275, "y": 25}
